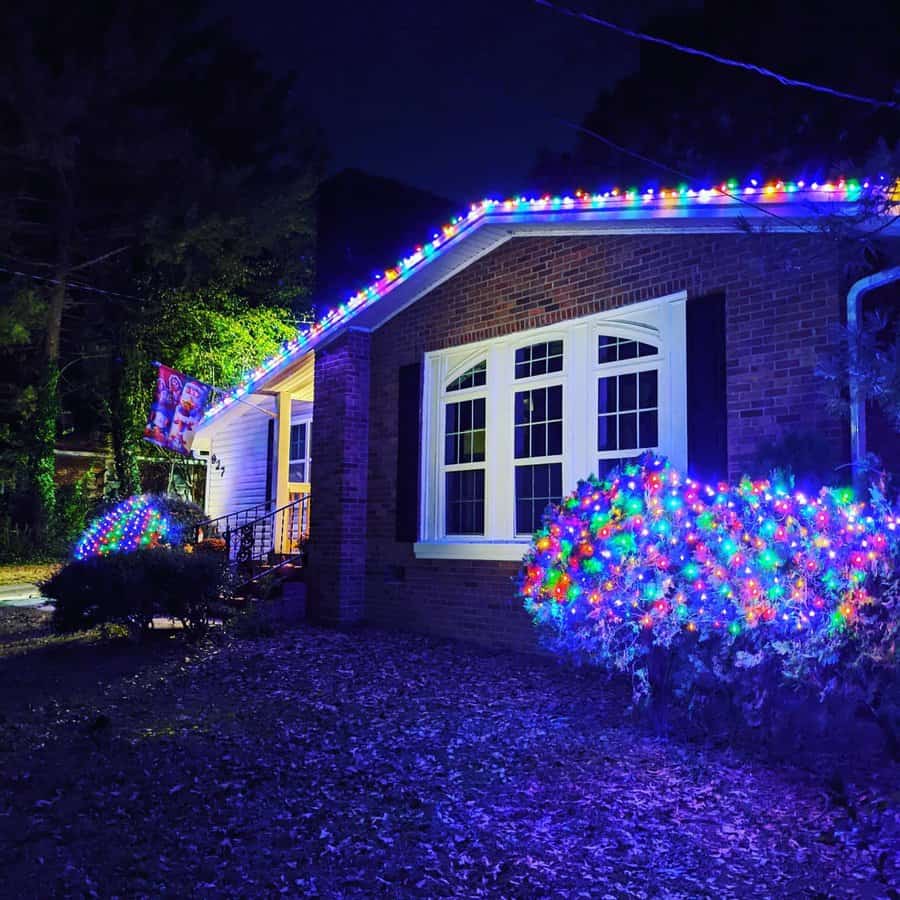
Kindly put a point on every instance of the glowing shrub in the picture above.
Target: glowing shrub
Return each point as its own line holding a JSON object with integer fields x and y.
{"x": 649, "y": 560}
{"x": 137, "y": 523}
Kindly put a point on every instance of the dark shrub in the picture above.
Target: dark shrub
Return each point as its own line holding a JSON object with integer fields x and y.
{"x": 131, "y": 588}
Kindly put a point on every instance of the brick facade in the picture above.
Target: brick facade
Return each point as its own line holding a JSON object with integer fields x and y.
{"x": 340, "y": 449}
{"x": 781, "y": 292}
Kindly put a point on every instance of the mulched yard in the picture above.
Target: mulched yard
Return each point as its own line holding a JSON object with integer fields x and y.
{"x": 374, "y": 763}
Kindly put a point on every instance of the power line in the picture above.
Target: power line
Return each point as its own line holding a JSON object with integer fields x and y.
{"x": 75, "y": 285}
{"x": 723, "y": 60}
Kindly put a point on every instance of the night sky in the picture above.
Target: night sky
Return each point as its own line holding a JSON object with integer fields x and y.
{"x": 455, "y": 98}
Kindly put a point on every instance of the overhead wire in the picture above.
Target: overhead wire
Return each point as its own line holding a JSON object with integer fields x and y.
{"x": 722, "y": 60}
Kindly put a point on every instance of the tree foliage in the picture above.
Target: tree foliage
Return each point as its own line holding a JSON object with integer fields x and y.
{"x": 156, "y": 188}
{"x": 691, "y": 118}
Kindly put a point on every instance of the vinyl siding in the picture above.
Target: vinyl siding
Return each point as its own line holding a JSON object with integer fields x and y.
{"x": 240, "y": 445}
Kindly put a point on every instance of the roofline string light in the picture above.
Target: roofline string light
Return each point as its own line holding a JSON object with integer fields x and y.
{"x": 847, "y": 190}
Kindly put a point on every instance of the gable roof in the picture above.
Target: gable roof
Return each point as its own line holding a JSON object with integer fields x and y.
{"x": 782, "y": 206}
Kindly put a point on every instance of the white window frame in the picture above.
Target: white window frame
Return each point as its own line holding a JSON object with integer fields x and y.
{"x": 306, "y": 460}
{"x": 660, "y": 321}
{"x": 534, "y": 382}
{"x": 458, "y": 396}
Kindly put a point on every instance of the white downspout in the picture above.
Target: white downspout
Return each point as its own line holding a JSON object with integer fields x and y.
{"x": 857, "y": 403}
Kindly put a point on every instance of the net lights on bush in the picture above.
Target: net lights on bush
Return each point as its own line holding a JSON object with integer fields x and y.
{"x": 650, "y": 552}
{"x": 134, "y": 524}
{"x": 726, "y": 193}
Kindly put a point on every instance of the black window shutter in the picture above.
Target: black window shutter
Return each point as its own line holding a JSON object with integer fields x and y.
{"x": 707, "y": 406}
{"x": 408, "y": 448}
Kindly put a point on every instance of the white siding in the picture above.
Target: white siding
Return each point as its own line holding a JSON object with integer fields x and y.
{"x": 239, "y": 444}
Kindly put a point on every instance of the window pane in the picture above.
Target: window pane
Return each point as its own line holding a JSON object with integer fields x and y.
{"x": 615, "y": 349}
{"x": 523, "y": 407}
{"x": 539, "y": 359}
{"x": 554, "y": 402}
{"x": 628, "y": 431}
{"x": 541, "y": 482}
{"x": 554, "y": 439}
{"x": 538, "y": 440}
{"x": 649, "y": 430}
{"x": 474, "y": 377}
{"x": 450, "y": 454}
{"x": 465, "y": 447}
{"x": 297, "y": 471}
{"x": 606, "y": 395}
{"x": 536, "y": 487}
{"x": 538, "y": 430}
{"x": 607, "y": 433}
{"x": 523, "y": 444}
{"x": 298, "y": 441}
{"x": 647, "y": 393}
{"x": 465, "y": 438}
{"x": 478, "y": 446}
{"x": 605, "y": 466}
{"x": 606, "y": 353}
{"x": 628, "y": 392}
{"x": 465, "y": 416}
{"x": 465, "y": 502}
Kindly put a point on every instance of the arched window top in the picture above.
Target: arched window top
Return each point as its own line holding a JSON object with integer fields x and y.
{"x": 476, "y": 376}
{"x": 542, "y": 358}
{"x": 613, "y": 348}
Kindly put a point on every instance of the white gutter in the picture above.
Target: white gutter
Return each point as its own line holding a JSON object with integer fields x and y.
{"x": 857, "y": 402}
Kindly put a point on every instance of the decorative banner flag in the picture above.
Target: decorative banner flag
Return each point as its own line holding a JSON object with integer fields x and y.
{"x": 177, "y": 410}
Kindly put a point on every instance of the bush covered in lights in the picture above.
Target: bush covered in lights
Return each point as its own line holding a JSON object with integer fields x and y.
{"x": 683, "y": 585}
{"x": 129, "y": 567}
{"x": 137, "y": 523}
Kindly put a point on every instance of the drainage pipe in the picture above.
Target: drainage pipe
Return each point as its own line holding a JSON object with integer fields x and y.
{"x": 857, "y": 401}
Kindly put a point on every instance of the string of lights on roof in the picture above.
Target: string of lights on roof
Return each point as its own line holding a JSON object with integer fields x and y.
{"x": 755, "y": 192}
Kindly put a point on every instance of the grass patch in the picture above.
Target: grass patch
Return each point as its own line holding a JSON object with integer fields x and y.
{"x": 27, "y": 573}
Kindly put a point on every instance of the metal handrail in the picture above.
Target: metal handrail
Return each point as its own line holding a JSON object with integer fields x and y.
{"x": 275, "y": 538}
{"x": 249, "y": 513}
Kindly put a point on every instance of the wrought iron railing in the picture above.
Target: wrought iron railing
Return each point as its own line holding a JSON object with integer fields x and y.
{"x": 259, "y": 539}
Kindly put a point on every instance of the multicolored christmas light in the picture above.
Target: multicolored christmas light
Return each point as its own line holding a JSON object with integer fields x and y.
{"x": 652, "y": 553}
{"x": 728, "y": 193}
{"x": 133, "y": 524}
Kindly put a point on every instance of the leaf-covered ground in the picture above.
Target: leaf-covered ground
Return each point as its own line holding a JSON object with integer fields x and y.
{"x": 378, "y": 764}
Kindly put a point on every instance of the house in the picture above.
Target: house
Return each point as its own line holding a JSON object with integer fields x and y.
{"x": 435, "y": 413}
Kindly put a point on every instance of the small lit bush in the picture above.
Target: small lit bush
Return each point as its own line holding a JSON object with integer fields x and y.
{"x": 131, "y": 589}
{"x": 718, "y": 593}
{"x": 139, "y": 523}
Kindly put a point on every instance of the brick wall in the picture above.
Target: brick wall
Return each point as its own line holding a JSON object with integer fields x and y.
{"x": 340, "y": 456}
{"x": 779, "y": 305}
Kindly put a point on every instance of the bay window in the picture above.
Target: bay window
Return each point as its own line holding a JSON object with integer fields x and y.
{"x": 511, "y": 424}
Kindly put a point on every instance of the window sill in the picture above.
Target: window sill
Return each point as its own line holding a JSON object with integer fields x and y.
{"x": 506, "y": 551}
